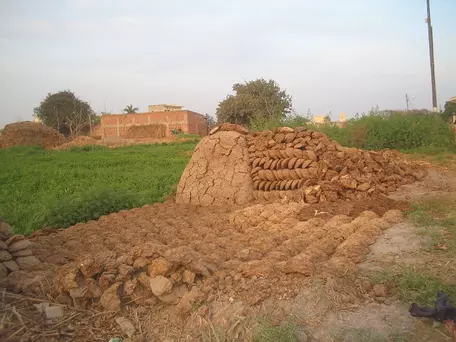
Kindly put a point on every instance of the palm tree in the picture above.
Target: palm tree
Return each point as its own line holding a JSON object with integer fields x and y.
{"x": 130, "y": 109}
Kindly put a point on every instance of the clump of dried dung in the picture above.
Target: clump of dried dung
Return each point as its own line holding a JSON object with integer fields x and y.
{"x": 78, "y": 142}
{"x": 157, "y": 131}
{"x": 28, "y": 133}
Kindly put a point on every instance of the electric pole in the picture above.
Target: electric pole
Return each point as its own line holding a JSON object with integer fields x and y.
{"x": 431, "y": 56}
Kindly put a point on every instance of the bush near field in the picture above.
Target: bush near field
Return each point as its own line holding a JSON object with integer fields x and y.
{"x": 396, "y": 130}
{"x": 379, "y": 130}
{"x": 49, "y": 188}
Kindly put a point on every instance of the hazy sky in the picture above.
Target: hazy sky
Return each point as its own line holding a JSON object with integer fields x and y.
{"x": 330, "y": 55}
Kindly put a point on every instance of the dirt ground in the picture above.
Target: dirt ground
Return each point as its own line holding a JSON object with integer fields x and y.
{"x": 267, "y": 260}
{"x": 378, "y": 204}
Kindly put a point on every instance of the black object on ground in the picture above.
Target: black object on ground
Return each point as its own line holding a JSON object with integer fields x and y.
{"x": 442, "y": 311}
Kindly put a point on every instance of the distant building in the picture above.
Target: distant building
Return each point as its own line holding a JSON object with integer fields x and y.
{"x": 185, "y": 121}
{"x": 321, "y": 120}
{"x": 164, "y": 108}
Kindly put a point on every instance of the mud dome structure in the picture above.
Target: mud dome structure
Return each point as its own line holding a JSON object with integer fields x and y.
{"x": 234, "y": 166}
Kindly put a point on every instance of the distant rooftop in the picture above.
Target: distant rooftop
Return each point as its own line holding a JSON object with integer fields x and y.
{"x": 164, "y": 108}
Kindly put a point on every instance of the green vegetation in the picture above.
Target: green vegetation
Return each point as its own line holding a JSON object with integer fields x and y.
{"x": 262, "y": 123}
{"x": 418, "y": 131}
{"x": 435, "y": 219}
{"x": 285, "y": 332}
{"x": 66, "y": 113}
{"x": 130, "y": 109}
{"x": 413, "y": 285}
{"x": 393, "y": 130}
{"x": 187, "y": 136}
{"x": 254, "y": 100}
{"x": 59, "y": 188}
{"x": 449, "y": 110}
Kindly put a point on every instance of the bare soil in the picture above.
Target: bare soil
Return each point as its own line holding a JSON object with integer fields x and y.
{"x": 232, "y": 254}
{"x": 379, "y": 204}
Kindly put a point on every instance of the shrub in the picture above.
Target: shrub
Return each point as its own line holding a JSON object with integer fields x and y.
{"x": 404, "y": 131}
{"x": 263, "y": 124}
{"x": 397, "y": 130}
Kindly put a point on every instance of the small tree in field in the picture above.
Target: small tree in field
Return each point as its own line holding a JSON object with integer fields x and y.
{"x": 210, "y": 122}
{"x": 257, "y": 100}
{"x": 66, "y": 113}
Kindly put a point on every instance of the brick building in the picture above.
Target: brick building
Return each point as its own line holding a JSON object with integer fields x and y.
{"x": 186, "y": 121}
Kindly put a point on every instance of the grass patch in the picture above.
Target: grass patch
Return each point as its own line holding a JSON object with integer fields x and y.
{"x": 59, "y": 188}
{"x": 285, "y": 332}
{"x": 436, "y": 218}
{"x": 440, "y": 156}
{"x": 414, "y": 285}
{"x": 189, "y": 136}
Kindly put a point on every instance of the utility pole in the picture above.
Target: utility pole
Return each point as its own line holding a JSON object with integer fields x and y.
{"x": 431, "y": 56}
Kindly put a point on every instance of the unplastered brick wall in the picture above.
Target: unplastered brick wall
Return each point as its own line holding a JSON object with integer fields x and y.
{"x": 184, "y": 120}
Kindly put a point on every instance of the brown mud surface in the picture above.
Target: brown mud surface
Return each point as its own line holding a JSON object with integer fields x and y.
{"x": 78, "y": 142}
{"x": 174, "y": 258}
{"x": 378, "y": 204}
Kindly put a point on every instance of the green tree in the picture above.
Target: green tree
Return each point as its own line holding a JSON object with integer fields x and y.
{"x": 130, "y": 109}
{"x": 257, "y": 100}
{"x": 210, "y": 121}
{"x": 449, "y": 110}
{"x": 65, "y": 112}
{"x": 96, "y": 119}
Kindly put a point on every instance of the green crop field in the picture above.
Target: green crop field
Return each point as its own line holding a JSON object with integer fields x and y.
{"x": 40, "y": 188}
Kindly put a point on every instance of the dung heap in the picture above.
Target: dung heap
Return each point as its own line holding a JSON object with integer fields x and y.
{"x": 296, "y": 163}
{"x": 156, "y": 131}
{"x": 30, "y": 134}
{"x": 15, "y": 252}
{"x": 78, "y": 142}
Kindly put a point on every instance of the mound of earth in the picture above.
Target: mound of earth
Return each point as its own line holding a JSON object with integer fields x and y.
{"x": 78, "y": 141}
{"x": 30, "y": 134}
{"x": 218, "y": 172}
{"x": 296, "y": 163}
{"x": 182, "y": 254}
{"x": 157, "y": 131}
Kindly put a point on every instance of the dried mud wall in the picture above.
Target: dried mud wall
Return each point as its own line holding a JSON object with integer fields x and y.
{"x": 218, "y": 172}
{"x": 233, "y": 166}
